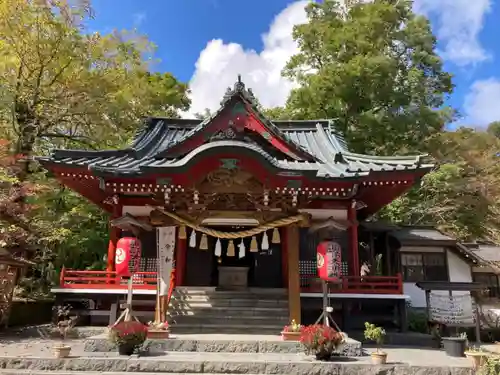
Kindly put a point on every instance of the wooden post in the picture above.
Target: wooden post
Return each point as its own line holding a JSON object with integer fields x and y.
{"x": 284, "y": 258}
{"x": 293, "y": 273}
{"x": 428, "y": 304}
{"x": 354, "y": 238}
{"x": 388, "y": 254}
{"x": 477, "y": 317}
{"x": 372, "y": 250}
{"x": 180, "y": 261}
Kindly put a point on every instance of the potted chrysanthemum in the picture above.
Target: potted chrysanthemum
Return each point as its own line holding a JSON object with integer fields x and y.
{"x": 128, "y": 336}
{"x": 321, "y": 340}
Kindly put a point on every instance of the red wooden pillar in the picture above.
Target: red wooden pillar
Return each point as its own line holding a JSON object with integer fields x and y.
{"x": 114, "y": 236}
{"x": 284, "y": 256}
{"x": 180, "y": 261}
{"x": 353, "y": 231}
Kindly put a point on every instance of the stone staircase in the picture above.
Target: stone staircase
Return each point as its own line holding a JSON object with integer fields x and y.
{"x": 207, "y": 310}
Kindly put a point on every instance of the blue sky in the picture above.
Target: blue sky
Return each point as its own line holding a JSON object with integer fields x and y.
{"x": 208, "y": 42}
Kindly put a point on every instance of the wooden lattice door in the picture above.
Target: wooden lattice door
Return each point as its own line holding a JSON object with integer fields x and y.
{"x": 8, "y": 275}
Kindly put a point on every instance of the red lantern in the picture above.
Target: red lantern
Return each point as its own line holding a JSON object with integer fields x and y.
{"x": 127, "y": 256}
{"x": 329, "y": 257}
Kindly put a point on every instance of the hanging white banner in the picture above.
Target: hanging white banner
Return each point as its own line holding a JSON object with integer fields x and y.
{"x": 165, "y": 242}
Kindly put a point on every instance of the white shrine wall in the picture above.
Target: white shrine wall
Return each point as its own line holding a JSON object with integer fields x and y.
{"x": 458, "y": 271}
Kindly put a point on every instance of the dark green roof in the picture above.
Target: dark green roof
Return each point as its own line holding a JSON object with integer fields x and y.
{"x": 318, "y": 150}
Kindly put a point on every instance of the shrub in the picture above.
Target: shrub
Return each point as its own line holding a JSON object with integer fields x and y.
{"x": 374, "y": 333}
{"x": 491, "y": 366}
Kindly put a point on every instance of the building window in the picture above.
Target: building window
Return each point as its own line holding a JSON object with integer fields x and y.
{"x": 424, "y": 267}
{"x": 490, "y": 280}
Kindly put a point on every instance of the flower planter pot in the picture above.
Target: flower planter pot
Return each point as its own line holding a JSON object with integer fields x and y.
{"x": 126, "y": 349}
{"x": 477, "y": 358}
{"x": 158, "y": 334}
{"x": 379, "y": 358}
{"x": 62, "y": 351}
{"x": 454, "y": 346}
{"x": 290, "y": 336}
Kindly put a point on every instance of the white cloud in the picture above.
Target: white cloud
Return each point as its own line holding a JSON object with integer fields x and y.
{"x": 220, "y": 63}
{"x": 459, "y": 23}
{"x": 482, "y": 103}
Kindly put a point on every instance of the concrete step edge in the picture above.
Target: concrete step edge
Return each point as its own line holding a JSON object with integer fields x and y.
{"x": 235, "y": 298}
{"x": 245, "y": 322}
{"x": 227, "y": 326}
{"x": 236, "y": 308}
{"x": 44, "y": 372}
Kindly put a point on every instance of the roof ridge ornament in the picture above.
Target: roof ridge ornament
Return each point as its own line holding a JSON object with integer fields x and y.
{"x": 238, "y": 88}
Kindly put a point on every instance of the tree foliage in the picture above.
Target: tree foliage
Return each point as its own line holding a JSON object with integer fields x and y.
{"x": 60, "y": 83}
{"x": 373, "y": 68}
{"x": 63, "y": 87}
{"x": 463, "y": 196}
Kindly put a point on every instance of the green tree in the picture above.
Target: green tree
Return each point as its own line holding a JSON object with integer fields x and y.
{"x": 463, "y": 196}
{"x": 494, "y": 129}
{"x": 203, "y": 115}
{"x": 373, "y": 68}
{"x": 59, "y": 83}
{"x": 276, "y": 113}
{"x": 60, "y": 87}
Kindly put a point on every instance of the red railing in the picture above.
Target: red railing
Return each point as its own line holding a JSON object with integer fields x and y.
{"x": 356, "y": 284}
{"x": 72, "y": 279}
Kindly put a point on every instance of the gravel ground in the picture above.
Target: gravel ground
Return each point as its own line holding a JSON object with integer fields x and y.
{"x": 33, "y": 347}
{"x": 35, "y": 341}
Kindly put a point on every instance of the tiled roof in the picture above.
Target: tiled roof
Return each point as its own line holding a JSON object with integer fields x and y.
{"x": 316, "y": 138}
{"x": 490, "y": 253}
{"x": 420, "y": 235}
{"x": 325, "y": 150}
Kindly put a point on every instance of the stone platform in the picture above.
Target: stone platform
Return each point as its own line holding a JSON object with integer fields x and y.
{"x": 219, "y": 343}
{"x": 34, "y": 356}
{"x": 234, "y": 363}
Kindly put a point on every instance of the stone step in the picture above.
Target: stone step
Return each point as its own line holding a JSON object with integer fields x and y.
{"x": 229, "y": 295}
{"x": 43, "y": 372}
{"x": 204, "y": 301}
{"x": 230, "y": 310}
{"x": 216, "y": 291}
{"x": 217, "y": 363}
{"x": 253, "y": 321}
{"x": 226, "y": 328}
